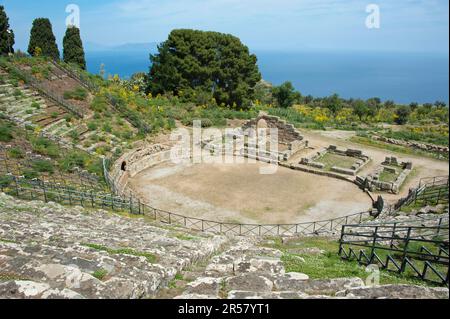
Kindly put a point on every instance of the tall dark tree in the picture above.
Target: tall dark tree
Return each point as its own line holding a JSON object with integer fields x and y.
{"x": 440, "y": 104}
{"x": 402, "y": 114}
{"x": 6, "y": 34}
{"x": 285, "y": 95}
{"x": 42, "y": 39}
{"x": 73, "y": 51}
{"x": 333, "y": 103}
{"x": 413, "y": 106}
{"x": 197, "y": 64}
{"x": 360, "y": 108}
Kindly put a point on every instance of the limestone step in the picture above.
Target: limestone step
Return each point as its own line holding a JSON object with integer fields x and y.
{"x": 64, "y": 247}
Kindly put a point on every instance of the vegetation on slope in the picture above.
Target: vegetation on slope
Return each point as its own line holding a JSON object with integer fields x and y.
{"x": 328, "y": 264}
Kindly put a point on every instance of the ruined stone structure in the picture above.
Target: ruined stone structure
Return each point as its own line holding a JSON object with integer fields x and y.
{"x": 290, "y": 140}
{"x": 390, "y": 165}
{"x": 413, "y": 144}
{"x": 360, "y": 160}
{"x": 134, "y": 162}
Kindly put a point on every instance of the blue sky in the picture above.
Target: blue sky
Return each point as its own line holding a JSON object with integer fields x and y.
{"x": 288, "y": 25}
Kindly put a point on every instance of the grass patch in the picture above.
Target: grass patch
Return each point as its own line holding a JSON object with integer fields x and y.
{"x": 10, "y": 277}
{"x": 16, "y": 153}
{"x": 396, "y": 148}
{"x": 43, "y": 166}
{"x": 6, "y": 132}
{"x": 8, "y": 241}
{"x": 45, "y": 147}
{"x": 151, "y": 258}
{"x": 179, "y": 276}
{"x": 331, "y": 160}
{"x": 100, "y": 274}
{"x": 330, "y": 265}
{"x": 181, "y": 236}
{"x": 388, "y": 177}
{"x": 78, "y": 94}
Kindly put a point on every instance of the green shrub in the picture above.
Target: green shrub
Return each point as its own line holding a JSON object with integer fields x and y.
{"x": 74, "y": 135}
{"x": 30, "y": 174}
{"x": 6, "y": 131}
{"x": 29, "y": 112}
{"x": 54, "y": 115}
{"x": 92, "y": 126}
{"x": 99, "y": 104}
{"x": 100, "y": 274}
{"x": 17, "y": 93}
{"x": 5, "y": 181}
{"x": 107, "y": 128}
{"x": 127, "y": 135}
{"x": 79, "y": 94}
{"x": 95, "y": 166}
{"x": 35, "y": 105}
{"x": 73, "y": 159}
{"x": 46, "y": 147}
{"x": 43, "y": 166}
{"x": 68, "y": 118}
{"x": 16, "y": 152}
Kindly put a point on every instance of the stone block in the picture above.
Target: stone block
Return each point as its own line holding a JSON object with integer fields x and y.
{"x": 354, "y": 153}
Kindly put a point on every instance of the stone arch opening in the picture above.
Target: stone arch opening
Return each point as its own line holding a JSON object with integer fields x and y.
{"x": 123, "y": 167}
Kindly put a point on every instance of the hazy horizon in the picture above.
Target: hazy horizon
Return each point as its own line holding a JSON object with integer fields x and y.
{"x": 406, "y": 25}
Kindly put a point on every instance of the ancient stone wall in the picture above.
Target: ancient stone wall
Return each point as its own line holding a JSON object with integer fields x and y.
{"x": 286, "y": 132}
{"x": 136, "y": 161}
{"x": 288, "y": 137}
{"x": 360, "y": 160}
{"x": 413, "y": 144}
{"x": 391, "y": 165}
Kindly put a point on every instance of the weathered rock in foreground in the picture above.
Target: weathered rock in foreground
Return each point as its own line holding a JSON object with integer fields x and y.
{"x": 246, "y": 271}
{"x": 51, "y": 251}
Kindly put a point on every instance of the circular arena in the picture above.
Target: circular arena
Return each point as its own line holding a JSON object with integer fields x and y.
{"x": 238, "y": 193}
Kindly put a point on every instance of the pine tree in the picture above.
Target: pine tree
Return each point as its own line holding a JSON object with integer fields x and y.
{"x": 73, "y": 51}
{"x": 204, "y": 66}
{"x": 42, "y": 37}
{"x": 6, "y": 35}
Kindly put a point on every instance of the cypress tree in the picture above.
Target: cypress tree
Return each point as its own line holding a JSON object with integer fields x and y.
{"x": 73, "y": 51}
{"x": 42, "y": 37}
{"x": 6, "y": 35}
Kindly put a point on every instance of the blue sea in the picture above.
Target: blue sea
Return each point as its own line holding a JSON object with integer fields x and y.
{"x": 402, "y": 77}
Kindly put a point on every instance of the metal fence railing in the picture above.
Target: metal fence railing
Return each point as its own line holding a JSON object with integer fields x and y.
{"x": 63, "y": 194}
{"x": 76, "y": 177}
{"x": 418, "y": 251}
{"x": 430, "y": 191}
